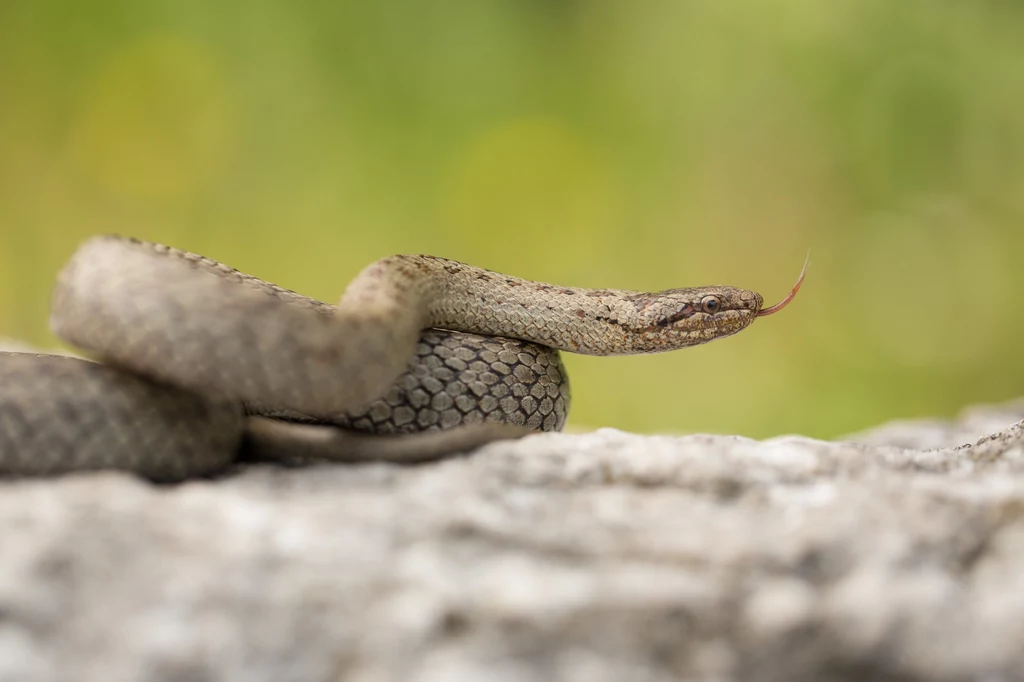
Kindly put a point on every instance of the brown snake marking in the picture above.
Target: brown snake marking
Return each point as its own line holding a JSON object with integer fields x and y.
{"x": 421, "y": 358}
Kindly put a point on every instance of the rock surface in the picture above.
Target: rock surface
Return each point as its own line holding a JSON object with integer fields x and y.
{"x": 601, "y": 556}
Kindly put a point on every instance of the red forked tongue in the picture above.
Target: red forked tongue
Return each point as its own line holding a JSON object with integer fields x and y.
{"x": 771, "y": 310}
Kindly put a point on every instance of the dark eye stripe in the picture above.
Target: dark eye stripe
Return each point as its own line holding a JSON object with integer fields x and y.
{"x": 686, "y": 311}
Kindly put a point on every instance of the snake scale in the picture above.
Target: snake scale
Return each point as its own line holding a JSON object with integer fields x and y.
{"x": 422, "y": 357}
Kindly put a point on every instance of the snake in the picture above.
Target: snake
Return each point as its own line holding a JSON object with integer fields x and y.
{"x": 192, "y": 365}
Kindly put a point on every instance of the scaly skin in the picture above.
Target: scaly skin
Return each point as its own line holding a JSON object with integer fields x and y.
{"x": 159, "y": 318}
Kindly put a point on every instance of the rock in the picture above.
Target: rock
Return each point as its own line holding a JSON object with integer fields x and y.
{"x": 601, "y": 556}
{"x": 8, "y": 345}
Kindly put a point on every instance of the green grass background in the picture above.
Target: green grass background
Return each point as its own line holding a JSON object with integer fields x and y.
{"x": 613, "y": 144}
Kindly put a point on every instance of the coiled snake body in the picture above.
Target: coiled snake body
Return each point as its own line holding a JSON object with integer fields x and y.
{"x": 422, "y": 357}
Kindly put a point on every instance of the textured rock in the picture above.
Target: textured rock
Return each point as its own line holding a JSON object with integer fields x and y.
{"x": 602, "y": 556}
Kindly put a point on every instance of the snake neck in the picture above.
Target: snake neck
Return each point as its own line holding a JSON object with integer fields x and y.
{"x": 406, "y": 291}
{"x": 465, "y": 298}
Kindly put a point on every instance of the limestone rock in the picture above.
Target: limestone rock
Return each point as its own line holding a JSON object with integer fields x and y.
{"x": 601, "y": 556}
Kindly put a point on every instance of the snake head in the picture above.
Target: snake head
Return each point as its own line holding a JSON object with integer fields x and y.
{"x": 677, "y": 318}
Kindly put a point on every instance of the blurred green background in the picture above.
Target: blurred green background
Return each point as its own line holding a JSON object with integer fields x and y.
{"x": 612, "y": 144}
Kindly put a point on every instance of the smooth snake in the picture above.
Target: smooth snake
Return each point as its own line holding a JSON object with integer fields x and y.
{"x": 422, "y": 357}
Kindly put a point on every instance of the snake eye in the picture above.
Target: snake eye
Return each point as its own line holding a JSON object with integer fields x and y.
{"x": 711, "y": 304}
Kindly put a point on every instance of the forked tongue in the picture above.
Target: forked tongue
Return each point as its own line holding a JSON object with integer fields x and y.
{"x": 771, "y": 310}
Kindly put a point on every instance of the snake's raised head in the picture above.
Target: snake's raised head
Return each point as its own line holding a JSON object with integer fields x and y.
{"x": 677, "y": 318}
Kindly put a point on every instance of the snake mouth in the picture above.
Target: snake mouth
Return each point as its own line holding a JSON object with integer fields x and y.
{"x": 772, "y": 309}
